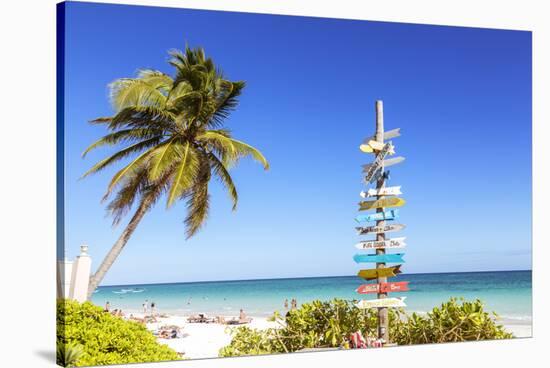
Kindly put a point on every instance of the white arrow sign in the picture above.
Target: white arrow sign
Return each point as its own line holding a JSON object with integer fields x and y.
{"x": 394, "y": 133}
{"x": 381, "y": 303}
{"x": 378, "y": 244}
{"x": 387, "y": 191}
{"x": 387, "y": 163}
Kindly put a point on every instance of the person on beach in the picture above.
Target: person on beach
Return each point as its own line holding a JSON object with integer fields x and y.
{"x": 107, "y": 307}
{"x": 286, "y": 303}
{"x": 153, "y": 309}
{"x": 293, "y": 304}
{"x": 145, "y": 308}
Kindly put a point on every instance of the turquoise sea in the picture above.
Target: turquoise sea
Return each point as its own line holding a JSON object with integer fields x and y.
{"x": 508, "y": 293}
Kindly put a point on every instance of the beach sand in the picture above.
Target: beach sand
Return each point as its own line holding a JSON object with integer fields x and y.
{"x": 204, "y": 340}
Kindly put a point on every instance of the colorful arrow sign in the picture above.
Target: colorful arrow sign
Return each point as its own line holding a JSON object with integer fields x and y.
{"x": 378, "y": 216}
{"x": 386, "y": 191}
{"x": 373, "y": 145}
{"x": 381, "y": 303}
{"x": 383, "y": 287}
{"x": 379, "y": 229}
{"x": 381, "y": 203}
{"x": 379, "y": 258}
{"x": 379, "y": 272}
{"x": 387, "y": 163}
{"x": 377, "y": 244}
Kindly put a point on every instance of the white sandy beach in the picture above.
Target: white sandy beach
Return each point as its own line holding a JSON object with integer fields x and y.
{"x": 204, "y": 340}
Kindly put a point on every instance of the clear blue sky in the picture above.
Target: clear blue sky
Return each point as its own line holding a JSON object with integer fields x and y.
{"x": 462, "y": 97}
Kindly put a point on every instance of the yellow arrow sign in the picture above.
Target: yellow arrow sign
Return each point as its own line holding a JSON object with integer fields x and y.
{"x": 379, "y": 272}
{"x": 381, "y": 203}
{"x": 372, "y": 146}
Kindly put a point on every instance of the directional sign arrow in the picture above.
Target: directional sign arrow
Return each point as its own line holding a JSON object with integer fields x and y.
{"x": 381, "y": 203}
{"x": 372, "y": 146}
{"x": 383, "y": 287}
{"x": 379, "y": 272}
{"x": 390, "y": 134}
{"x": 379, "y": 229}
{"x": 386, "y": 191}
{"x": 378, "y": 244}
{"x": 379, "y": 258}
{"x": 387, "y": 163}
{"x": 378, "y": 216}
{"x": 381, "y": 303}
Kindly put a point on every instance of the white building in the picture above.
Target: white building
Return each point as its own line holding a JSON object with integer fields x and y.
{"x": 73, "y": 277}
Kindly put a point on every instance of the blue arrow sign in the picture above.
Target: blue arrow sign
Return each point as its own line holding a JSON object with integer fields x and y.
{"x": 379, "y": 258}
{"x": 386, "y": 215}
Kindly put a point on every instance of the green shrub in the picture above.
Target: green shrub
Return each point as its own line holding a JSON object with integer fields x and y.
{"x": 68, "y": 354}
{"x": 328, "y": 324}
{"x": 105, "y": 339}
{"x": 451, "y": 322}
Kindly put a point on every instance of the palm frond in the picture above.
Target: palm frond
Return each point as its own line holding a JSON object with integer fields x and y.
{"x": 156, "y": 79}
{"x": 198, "y": 201}
{"x": 164, "y": 157}
{"x": 137, "y": 147}
{"x": 126, "y": 135}
{"x": 184, "y": 174}
{"x": 231, "y": 150}
{"x": 223, "y": 174}
{"x": 226, "y": 101}
{"x": 126, "y": 92}
{"x": 142, "y": 117}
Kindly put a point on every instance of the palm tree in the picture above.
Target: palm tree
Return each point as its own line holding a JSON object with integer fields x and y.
{"x": 174, "y": 134}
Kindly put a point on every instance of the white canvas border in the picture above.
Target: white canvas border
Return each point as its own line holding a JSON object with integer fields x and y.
{"x": 28, "y": 173}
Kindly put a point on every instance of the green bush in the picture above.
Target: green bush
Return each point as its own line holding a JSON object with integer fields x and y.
{"x": 104, "y": 339}
{"x": 328, "y": 324}
{"x": 451, "y": 322}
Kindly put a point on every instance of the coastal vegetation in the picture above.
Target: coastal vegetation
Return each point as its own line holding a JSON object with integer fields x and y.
{"x": 172, "y": 129}
{"x": 328, "y": 324}
{"x": 87, "y": 336}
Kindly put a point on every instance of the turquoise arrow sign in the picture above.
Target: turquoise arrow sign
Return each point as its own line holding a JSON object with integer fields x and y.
{"x": 386, "y": 215}
{"x": 379, "y": 258}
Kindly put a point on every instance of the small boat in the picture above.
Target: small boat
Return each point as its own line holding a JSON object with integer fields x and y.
{"x": 138, "y": 290}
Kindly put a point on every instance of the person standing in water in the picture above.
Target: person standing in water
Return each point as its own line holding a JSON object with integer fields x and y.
{"x": 153, "y": 309}
{"x": 286, "y": 304}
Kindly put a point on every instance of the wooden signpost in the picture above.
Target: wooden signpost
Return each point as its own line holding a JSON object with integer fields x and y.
{"x": 379, "y": 258}
{"x": 388, "y": 228}
{"x": 382, "y": 272}
{"x": 385, "y": 287}
{"x": 378, "y": 216}
{"x": 376, "y": 244}
{"x": 387, "y": 191}
{"x": 386, "y": 202}
{"x": 381, "y": 303}
{"x": 375, "y": 173}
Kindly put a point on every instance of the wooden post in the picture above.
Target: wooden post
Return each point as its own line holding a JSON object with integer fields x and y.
{"x": 383, "y": 331}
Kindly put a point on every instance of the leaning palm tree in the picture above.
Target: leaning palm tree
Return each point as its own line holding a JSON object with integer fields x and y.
{"x": 172, "y": 129}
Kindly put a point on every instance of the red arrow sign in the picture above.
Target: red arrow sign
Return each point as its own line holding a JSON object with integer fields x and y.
{"x": 384, "y": 287}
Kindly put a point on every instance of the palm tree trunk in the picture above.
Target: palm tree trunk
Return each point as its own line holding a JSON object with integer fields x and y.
{"x": 110, "y": 258}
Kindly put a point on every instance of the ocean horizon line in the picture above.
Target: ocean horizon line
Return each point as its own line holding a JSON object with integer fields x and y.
{"x": 304, "y": 277}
